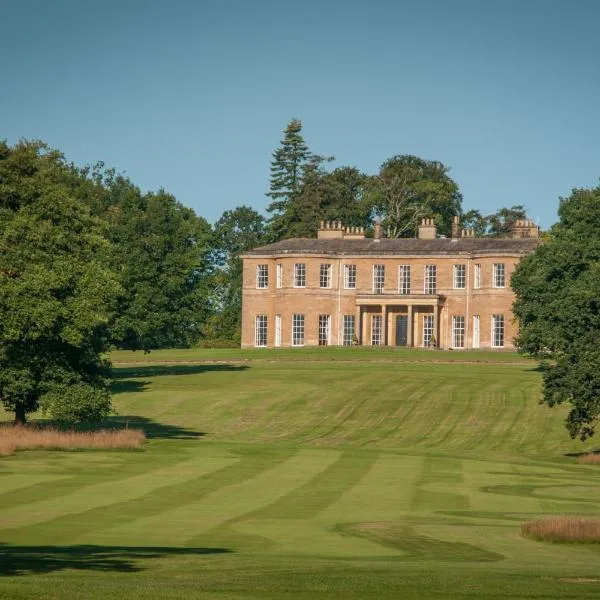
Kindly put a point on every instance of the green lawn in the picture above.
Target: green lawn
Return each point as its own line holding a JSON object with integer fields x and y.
{"x": 316, "y": 473}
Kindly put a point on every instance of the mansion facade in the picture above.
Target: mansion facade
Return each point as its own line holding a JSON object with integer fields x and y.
{"x": 345, "y": 289}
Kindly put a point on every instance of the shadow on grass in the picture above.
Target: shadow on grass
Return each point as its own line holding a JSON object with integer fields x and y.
{"x": 27, "y": 560}
{"x": 152, "y": 429}
{"x": 127, "y": 379}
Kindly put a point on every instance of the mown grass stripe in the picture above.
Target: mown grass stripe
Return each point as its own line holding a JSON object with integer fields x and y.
{"x": 102, "y": 494}
{"x": 180, "y": 525}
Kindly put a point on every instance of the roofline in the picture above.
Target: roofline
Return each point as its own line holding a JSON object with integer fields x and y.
{"x": 464, "y": 254}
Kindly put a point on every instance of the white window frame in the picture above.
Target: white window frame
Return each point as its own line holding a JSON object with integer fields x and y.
{"x": 498, "y": 331}
{"x": 300, "y": 275}
{"x": 458, "y": 331}
{"x": 277, "y": 331}
{"x": 279, "y": 275}
{"x": 404, "y": 280}
{"x": 298, "y": 329}
{"x": 378, "y": 279}
{"x": 349, "y": 277}
{"x": 430, "y": 280}
{"x": 476, "y": 331}
{"x": 349, "y": 330}
{"x": 428, "y": 330}
{"x": 376, "y": 330}
{"x": 499, "y": 275}
{"x": 325, "y": 276}
{"x": 324, "y": 330}
{"x": 477, "y": 276}
{"x": 460, "y": 276}
{"x": 261, "y": 331}
{"x": 262, "y": 277}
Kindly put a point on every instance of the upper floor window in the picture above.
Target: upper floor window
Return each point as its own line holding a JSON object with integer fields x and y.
{"x": 349, "y": 276}
{"x": 460, "y": 277}
{"x": 497, "y": 331}
{"x": 260, "y": 332}
{"x": 262, "y": 276}
{"x": 300, "y": 275}
{"x": 499, "y": 275}
{"x": 279, "y": 275}
{"x": 325, "y": 276}
{"x": 378, "y": 278}
{"x": 477, "y": 277}
{"x": 430, "y": 279}
{"x": 404, "y": 279}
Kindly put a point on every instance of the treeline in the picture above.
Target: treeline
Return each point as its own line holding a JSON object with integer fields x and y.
{"x": 89, "y": 262}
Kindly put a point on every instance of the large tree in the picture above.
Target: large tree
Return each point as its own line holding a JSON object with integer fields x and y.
{"x": 408, "y": 188}
{"x": 57, "y": 290}
{"x": 558, "y": 308}
{"x": 498, "y": 224}
{"x": 162, "y": 249}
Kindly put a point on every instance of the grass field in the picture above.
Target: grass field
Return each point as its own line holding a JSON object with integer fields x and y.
{"x": 325, "y": 473}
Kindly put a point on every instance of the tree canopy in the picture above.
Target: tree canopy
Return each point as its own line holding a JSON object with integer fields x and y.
{"x": 558, "y": 308}
{"x": 57, "y": 291}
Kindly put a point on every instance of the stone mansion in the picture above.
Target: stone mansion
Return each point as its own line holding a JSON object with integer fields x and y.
{"x": 345, "y": 289}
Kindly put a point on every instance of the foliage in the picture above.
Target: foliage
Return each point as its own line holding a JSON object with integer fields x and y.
{"x": 57, "y": 291}
{"x": 161, "y": 250}
{"x": 235, "y": 232}
{"x": 558, "y": 307}
{"x": 408, "y": 188}
{"x": 498, "y": 224}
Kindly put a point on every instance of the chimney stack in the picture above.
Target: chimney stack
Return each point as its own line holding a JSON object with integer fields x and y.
{"x": 427, "y": 230}
{"x": 455, "y": 227}
{"x": 377, "y": 230}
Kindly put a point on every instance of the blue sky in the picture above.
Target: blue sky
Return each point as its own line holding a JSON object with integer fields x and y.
{"x": 192, "y": 96}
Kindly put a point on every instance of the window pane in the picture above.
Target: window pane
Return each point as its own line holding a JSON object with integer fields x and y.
{"x": 378, "y": 278}
{"x": 430, "y": 279}
{"x": 298, "y": 330}
{"x": 499, "y": 275}
{"x": 349, "y": 276}
{"x": 404, "y": 279}
{"x": 428, "y": 337}
{"x": 300, "y": 275}
{"x": 376, "y": 331}
{"x": 458, "y": 332}
{"x": 460, "y": 277}
{"x": 260, "y": 338}
{"x": 324, "y": 321}
{"x": 498, "y": 331}
{"x": 262, "y": 276}
{"x": 279, "y": 275}
{"x": 325, "y": 276}
{"x": 348, "y": 330}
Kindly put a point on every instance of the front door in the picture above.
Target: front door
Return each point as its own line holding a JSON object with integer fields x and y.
{"x": 402, "y": 330}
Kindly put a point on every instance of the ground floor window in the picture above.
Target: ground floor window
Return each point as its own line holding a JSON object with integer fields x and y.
{"x": 428, "y": 337}
{"x": 260, "y": 333}
{"x": 376, "y": 330}
{"x": 497, "y": 331}
{"x": 458, "y": 332}
{"x": 324, "y": 321}
{"x": 298, "y": 330}
{"x": 348, "y": 330}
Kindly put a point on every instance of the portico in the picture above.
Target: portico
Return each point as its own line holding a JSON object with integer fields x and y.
{"x": 400, "y": 319}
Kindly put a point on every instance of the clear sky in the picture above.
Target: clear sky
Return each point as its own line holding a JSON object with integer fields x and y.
{"x": 192, "y": 96}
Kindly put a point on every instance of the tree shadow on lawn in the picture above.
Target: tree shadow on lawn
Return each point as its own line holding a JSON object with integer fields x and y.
{"x": 126, "y": 379}
{"x": 28, "y": 560}
{"x": 151, "y": 428}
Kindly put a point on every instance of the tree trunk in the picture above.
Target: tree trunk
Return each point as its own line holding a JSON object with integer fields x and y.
{"x": 20, "y": 416}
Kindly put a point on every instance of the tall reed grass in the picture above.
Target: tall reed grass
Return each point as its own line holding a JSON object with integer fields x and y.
{"x": 563, "y": 529}
{"x": 30, "y": 437}
{"x": 589, "y": 459}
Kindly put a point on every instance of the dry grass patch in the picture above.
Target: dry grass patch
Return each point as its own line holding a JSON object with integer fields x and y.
{"x": 563, "y": 529}
{"x": 589, "y": 459}
{"x": 31, "y": 438}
